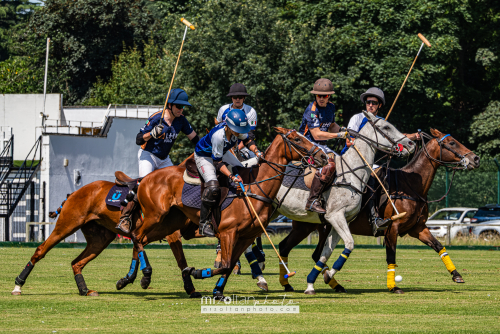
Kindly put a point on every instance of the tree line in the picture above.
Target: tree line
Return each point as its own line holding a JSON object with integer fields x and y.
{"x": 124, "y": 51}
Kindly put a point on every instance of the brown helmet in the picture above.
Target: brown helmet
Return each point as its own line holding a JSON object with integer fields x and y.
{"x": 323, "y": 87}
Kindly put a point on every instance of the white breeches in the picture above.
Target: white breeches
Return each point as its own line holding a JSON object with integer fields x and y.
{"x": 206, "y": 166}
{"x": 149, "y": 162}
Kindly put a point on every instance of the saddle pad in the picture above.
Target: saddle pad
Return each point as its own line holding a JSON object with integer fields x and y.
{"x": 191, "y": 196}
{"x": 196, "y": 181}
{"x": 116, "y": 194}
{"x": 302, "y": 183}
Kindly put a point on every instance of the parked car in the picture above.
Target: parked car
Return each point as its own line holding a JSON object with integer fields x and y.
{"x": 273, "y": 228}
{"x": 487, "y": 233}
{"x": 451, "y": 216}
{"x": 487, "y": 213}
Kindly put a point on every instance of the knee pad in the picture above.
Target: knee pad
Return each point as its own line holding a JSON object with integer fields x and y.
{"x": 212, "y": 193}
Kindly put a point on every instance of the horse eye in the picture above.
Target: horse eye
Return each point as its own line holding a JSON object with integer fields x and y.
{"x": 452, "y": 143}
{"x": 297, "y": 139}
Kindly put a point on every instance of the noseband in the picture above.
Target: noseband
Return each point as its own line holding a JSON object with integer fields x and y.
{"x": 304, "y": 154}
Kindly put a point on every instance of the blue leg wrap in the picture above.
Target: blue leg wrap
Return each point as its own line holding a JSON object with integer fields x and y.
{"x": 311, "y": 278}
{"x": 341, "y": 260}
{"x": 142, "y": 260}
{"x": 132, "y": 268}
{"x": 254, "y": 264}
{"x": 258, "y": 253}
{"x": 205, "y": 273}
{"x": 219, "y": 287}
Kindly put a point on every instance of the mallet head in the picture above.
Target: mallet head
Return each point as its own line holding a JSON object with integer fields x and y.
{"x": 186, "y": 22}
{"x": 290, "y": 274}
{"x": 396, "y": 217}
{"x": 424, "y": 40}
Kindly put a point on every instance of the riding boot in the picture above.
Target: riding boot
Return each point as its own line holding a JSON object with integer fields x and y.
{"x": 378, "y": 224}
{"x": 210, "y": 199}
{"x": 125, "y": 222}
{"x": 319, "y": 183}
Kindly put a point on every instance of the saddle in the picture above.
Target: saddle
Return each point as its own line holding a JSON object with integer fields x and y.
{"x": 123, "y": 180}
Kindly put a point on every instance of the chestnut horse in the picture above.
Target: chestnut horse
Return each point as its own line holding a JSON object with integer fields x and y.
{"x": 162, "y": 192}
{"x": 408, "y": 187}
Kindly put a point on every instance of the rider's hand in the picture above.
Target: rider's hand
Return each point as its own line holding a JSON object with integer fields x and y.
{"x": 156, "y": 132}
{"x": 237, "y": 179}
{"x": 343, "y": 129}
{"x": 343, "y": 134}
{"x": 260, "y": 155}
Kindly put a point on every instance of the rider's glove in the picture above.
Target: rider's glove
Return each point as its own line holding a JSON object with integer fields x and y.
{"x": 156, "y": 132}
{"x": 260, "y": 155}
{"x": 343, "y": 134}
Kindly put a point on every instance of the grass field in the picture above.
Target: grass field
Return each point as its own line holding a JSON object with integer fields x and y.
{"x": 432, "y": 303}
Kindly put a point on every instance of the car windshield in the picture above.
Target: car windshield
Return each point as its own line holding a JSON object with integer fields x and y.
{"x": 485, "y": 212}
{"x": 447, "y": 215}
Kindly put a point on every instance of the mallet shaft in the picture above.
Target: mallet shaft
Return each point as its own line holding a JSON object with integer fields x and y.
{"x": 263, "y": 228}
{"x": 366, "y": 162}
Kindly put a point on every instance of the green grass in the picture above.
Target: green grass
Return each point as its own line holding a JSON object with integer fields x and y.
{"x": 432, "y": 302}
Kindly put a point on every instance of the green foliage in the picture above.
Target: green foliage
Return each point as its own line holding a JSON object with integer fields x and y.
{"x": 20, "y": 75}
{"x": 485, "y": 130}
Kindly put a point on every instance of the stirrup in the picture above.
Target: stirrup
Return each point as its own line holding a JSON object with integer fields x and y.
{"x": 310, "y": 207}
{"x": 206, "y": 229}
{"x": 126, "y": 220}
{"x": 382, "y": 224}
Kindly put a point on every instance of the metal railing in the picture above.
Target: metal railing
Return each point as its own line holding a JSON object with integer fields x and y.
{"x": 7, "y": 158}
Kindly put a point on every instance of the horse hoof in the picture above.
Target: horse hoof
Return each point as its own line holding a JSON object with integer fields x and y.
{"x": 263, "y": 286}
{"x": 288, "y": 288}
{"x": 122, "y": 282}
{"x": 457, "y": 278}
{"x": 340, "y": 288}
{"x": 397, "y": 291}
{"x": 16, "y": 293}
{"x": 219, "y": 296}
{"x": 92, "y": 293}
{"x": 195, "y": 294}
{"x": 310, "y": 292}
{"x": 145, "y": 281}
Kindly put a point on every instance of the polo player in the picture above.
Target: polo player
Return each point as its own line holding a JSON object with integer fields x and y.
{"x": 318, "y": 125}
{"x": 156, "y": 139}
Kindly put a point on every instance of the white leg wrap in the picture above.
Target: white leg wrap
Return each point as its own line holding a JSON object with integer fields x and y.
{"x": 261, "y": 279}
{"x": 17, "y": 289}
{"x": 310, "y": 287}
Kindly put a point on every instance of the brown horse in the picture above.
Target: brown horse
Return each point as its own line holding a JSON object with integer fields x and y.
{"x": 408, "y": 187}
{"x": 162, "y": 193}
{"x": 86, "y": 209}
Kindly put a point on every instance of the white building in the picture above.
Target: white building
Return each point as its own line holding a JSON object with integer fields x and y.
{"x": 79, "y": 145}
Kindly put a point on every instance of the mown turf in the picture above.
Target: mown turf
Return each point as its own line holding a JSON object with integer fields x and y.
{"x": 432, "y": 302}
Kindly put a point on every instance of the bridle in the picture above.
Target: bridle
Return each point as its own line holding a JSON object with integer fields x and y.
{"x": 304, "y": 154}
{"x": 396, "y": 148}
{"x": 462, "y": 164}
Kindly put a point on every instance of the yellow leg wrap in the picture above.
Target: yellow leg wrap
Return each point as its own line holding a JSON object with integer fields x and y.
{"x": 283, "y": 280}
{"x": 333, "y": 283}
{"x": 391, "y": 274}
{"x": 446, "y": 260}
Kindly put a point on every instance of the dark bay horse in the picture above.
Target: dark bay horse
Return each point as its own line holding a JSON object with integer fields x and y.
{"x": 409, "y": 187}
{"x": 238, "y": 228}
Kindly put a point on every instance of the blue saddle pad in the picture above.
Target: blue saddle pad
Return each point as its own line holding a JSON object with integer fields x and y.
{"x": 116, "y": 195}
{"x": 191, "y": 196}
{"x": 288, "y": 179}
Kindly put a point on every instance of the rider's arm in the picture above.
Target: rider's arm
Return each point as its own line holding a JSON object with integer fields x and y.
{"x": 193, "y": 137}
{"x": 412, "y": 136}
{"x": 323, "y": 135}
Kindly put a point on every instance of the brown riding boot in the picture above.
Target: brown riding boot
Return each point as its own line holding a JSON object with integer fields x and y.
{"x": 319, "y": 183}
{"x": 126, "y": 218}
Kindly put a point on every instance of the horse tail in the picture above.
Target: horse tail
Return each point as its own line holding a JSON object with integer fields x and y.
{"x": 54, "y": 214}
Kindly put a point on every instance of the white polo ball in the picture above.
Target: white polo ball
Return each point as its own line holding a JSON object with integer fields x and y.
{"x": 398, "y": 278}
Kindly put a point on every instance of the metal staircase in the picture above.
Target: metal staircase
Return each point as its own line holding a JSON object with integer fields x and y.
{"x": 15, "y": 182}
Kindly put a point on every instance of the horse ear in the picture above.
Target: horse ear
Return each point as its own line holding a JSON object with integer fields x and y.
{"x": 369, "y": 115}
{"x": 216, "y": 121}
{"x": 280, "y": 130}
{"x": 436, "y": 133}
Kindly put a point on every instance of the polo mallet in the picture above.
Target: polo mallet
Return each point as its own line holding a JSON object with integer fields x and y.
{"x": 289, "y": 274}
{"x": 186, "y": 22}
{"x": 398, "y": 215}
{"x": 424, "y": 41}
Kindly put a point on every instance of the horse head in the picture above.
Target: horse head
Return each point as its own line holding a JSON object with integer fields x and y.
{"x": 298, "y": 147}
{"x": 386, "y": 137}
{"x": 447, "y": 150}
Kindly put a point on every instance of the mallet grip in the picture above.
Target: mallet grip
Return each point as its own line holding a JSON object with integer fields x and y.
{"x": 426, "y": 42}
{"x": 186, "y": 22}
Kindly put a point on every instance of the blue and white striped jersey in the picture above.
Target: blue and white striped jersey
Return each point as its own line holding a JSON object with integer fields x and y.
{"x": 214, "y": 145}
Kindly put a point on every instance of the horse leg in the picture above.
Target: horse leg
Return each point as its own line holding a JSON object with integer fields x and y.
{"x": 254, "y": 266}
{"x": 328, "y": 247}
{"x": 237, "y": 250}
{"x": 175, "y": 243}
{"x": 65, "y": 227}
{"x": 300, "y": 230}
{"x": 340, "y": 230}
{"x": 423, "y": 234}
{"x": 132, "y": 274}
{"x": 391, "y": 239}
{"x": 98, "y": 238}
